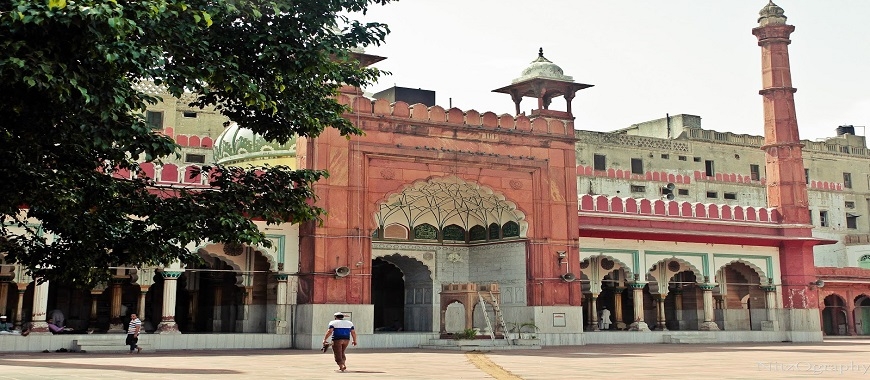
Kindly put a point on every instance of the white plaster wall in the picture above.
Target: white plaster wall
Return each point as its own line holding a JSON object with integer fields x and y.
{"x": 504, "y": 264}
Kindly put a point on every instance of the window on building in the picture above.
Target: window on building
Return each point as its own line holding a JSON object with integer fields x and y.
{"x": 851, "y": 221}
{"x": 754, "y": 172}
{"x": 638, "y": 189}
{"x": 712, "y": 194}
{"x": 194, "y": 158}
{"x": 730, "y": 196}
{"x": 599, "y": 162}
{"x": 189, "y": 114}
{"x": 807, "y": 175}
{"x": 636, "y": 166}
{"x": 864, "y": 262}
{"x": 696, "y": 159}
{"x": 708, "y": 168}
{"x": 683, "y": 191}
{"x": 823, "y": 218}
{"x": 850, "y": 204}
{"x": 811, "y": 216}
{"x": 154, "y": 119}
{"x": 666, "y": 156}
{"x": 847, "y": 180}
{"x": 681, "y": 158}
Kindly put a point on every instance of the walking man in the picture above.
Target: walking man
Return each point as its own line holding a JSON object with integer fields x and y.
{"x": 133, "y": 333}
{"x": 341, "y": 332}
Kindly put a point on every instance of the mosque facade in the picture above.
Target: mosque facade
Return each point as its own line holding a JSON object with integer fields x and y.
{"x": 444, "y": 221}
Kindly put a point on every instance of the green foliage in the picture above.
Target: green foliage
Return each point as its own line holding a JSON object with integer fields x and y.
{"x": 70, "y": 116}
{"x": 465, "y": 334}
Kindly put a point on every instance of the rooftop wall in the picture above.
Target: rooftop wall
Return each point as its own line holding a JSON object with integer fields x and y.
{"x": 676, "y": 209}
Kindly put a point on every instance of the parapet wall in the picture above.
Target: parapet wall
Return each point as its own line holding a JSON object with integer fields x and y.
{"x": 455, "y": 116}
{"x": 676, "y": 209}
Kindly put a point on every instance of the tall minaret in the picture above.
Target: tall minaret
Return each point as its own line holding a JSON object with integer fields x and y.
{"x": 786, "y": 181}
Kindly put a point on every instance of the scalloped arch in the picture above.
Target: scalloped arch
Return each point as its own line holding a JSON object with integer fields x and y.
{"x": 762, "y": 275}
{"x": 628, "y": 270}
{"x": 406, "y": 260}
{"x": 699, "y": 276}
{"x": 442, "y": 201}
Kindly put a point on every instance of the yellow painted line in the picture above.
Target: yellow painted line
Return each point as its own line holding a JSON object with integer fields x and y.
{"x": 484, "y": 364}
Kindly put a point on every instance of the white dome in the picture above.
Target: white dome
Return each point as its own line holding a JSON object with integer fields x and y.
{"x": 239, "y": 144}
{"x": 543, "y": 68}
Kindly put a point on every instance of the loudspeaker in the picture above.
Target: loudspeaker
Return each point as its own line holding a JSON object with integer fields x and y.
{"x": 668, "y": 191}
{"x": 342, "y": 272}
{"x": 568, "y": 277}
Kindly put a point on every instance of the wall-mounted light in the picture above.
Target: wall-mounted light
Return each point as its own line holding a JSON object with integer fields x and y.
{"x": 818, "y": 283}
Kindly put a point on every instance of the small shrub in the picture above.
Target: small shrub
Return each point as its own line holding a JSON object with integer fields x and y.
{"x": 465, "y": 334}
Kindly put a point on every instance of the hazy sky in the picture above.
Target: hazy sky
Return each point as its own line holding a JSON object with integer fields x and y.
{"x": 645, "y": 58}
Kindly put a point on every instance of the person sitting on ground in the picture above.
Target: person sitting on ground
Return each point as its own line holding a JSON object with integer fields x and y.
{"x": 57, "y": 316}
{"x": 54, "y": 328}
{"x": 5, "y": 326}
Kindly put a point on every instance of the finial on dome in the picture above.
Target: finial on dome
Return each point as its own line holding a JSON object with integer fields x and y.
{"x": 541, "y": 52}
{"x": 771, "y": 14}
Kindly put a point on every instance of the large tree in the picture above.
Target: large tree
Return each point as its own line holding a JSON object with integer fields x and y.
{"x": 71, "y": 116}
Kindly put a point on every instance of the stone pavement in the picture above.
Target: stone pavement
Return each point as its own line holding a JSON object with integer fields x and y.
{"x": 834, "y": 359}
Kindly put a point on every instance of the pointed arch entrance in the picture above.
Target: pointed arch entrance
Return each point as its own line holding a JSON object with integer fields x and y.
{"x": 466, "y": 229}
{"x": 834, "y": 321}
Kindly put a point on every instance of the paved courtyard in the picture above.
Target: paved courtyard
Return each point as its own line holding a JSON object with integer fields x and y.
{"x": 836, "y": 359}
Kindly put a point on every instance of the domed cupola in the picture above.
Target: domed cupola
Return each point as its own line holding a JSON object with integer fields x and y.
{"x": 237, "y": 145}
{"x": 543, "y": 68}
{"x": 544, "y": 80}
{"x": 771, "y": 14}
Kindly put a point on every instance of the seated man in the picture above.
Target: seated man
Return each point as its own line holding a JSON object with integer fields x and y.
{"x": 5, "y": 326}
{"x": 55, "y": 329}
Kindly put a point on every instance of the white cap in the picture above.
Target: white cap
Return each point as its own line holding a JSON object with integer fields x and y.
{"x": 2, "y": 316}
{"x": 338, "y": 314}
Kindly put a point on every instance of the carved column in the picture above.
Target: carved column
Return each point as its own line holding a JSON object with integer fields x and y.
{"x": 116, "y": 325}
{"x": 617, "y": 305}
{"x": 661, "y": 322}
{"x": 593, "y": 313}
{"x": 772, "y": 323}
{"x": 19, "y": 308}
{"x": 709, "y": 324}
{"x": 40, "y": 306}
{"x": 96, "y": 292}
{"x": 639, "y": 324}
{"x": 280, "y": 320}
{"x": 4, "y": 296}
{"x": 678, "y": 308}
{"x": 143, "y": 291}
{"x": 170, "y": 287}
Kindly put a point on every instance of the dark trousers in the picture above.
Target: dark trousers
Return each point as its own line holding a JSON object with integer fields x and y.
{"x": 133, "y": 341}
{"x": 339, "y": 346}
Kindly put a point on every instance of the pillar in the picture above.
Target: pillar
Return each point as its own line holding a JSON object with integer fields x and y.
{"x": 140, "y": 308}
{"x": 279, "y": 323}
{"x": 617, "y": 304}
{"x": 40, "y": 306}
{"x": 244, "y": 308}
{"x": 678, "y": 309}
{"x": 4, "y": 297}
{"x": 772, "y": 322}
{"x": 170, "y": 287}
{"x": 193, "y": 299}
{"x": 593, "y": 313}
{"x": 661, "y": 322}
{"x": 637, "y": 293}
{"x": 218, "y": 307}
{"x": 116, "y": 325}
{"x": 19, "y": 308}
{"x": 709, "y": 323}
